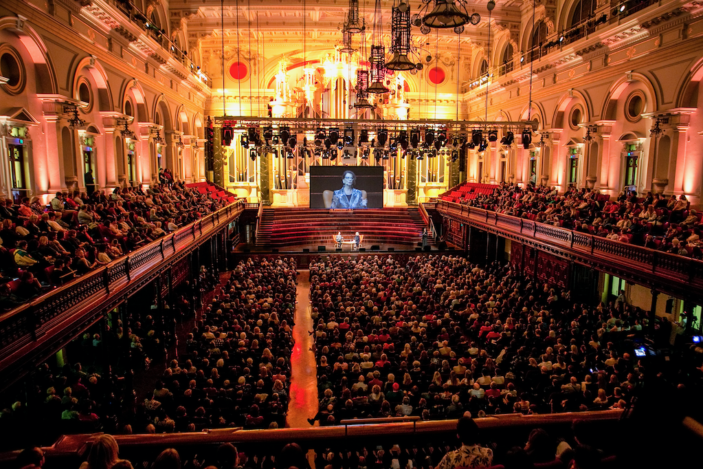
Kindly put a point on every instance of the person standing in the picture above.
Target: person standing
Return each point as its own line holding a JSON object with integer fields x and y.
{"x": 424, "y": 238}
{"x": 357, "y": 240}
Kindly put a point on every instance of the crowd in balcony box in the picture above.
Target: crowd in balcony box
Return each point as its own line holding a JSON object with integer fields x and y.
{"x": 436, "y": 336}
{"x": 44, "y": 246}
{"x": 666, "y": 224}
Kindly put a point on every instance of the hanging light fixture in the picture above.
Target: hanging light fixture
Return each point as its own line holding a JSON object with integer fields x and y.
{"x": 158, "y": 139}
{"x": 354, "y": 23}
{"x": 74, "y": 121}
{"x": 400, "y": 38}
{"x": 377, "y": 59}
{"x": 447, "y": 14}
{"x": 126, "y": 132}
{"x": 347, "y": 42}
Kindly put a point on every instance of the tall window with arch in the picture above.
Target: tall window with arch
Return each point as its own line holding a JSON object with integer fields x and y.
{"x": 539, "y": 37}
{"x": 507, "y": 60}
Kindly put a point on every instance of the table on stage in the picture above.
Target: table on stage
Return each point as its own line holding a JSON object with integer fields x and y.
{"x": 349, "y": 242}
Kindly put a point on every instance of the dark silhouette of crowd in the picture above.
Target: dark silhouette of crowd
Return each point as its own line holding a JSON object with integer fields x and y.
{"x": 655, "y": 221}
{"x": 437, "y": 336}
{"x": 44, "y": 246}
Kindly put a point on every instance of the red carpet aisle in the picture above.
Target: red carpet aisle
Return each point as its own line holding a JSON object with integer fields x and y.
{"x": 303, "y": 386}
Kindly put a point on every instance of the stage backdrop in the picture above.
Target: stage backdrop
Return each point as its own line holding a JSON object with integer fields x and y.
{"x": 327, "y": 187}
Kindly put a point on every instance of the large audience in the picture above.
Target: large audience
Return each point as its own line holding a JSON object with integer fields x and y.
{"x": 44, "y": 246}
{"x": 435, "y": 337}
{"x": 234, "y": 371}
{"x": 655, "y": 221}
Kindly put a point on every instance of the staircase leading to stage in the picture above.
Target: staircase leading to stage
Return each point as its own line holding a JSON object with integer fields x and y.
{"x": 297, "y": 226}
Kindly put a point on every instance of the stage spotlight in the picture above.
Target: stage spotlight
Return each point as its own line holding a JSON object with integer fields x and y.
{"x": 268, "y": 134}
{"x": 326, "y": 155}
{"x": 305, "y": 142}
{"x": 292, "y": 141}
{"x": 382, "y": 137}
{"x": 432, "y": 153}
{"x": 348, "y": 137}
{"x": 340, "y": 144}
{"x": 455, "y": 155}
{"x": 476, "y": 137}
{"x": 289, "y": 153}
{"x": 404, "y": 153}
{"x": 437, "y": 144}
{"x": 414, "y": 138}
{"x": 492, "y": 135}
{"x": 252, "y": 154}
{"x": 333, "y": 154}
{"x": 318, "y": 152}
{"x": 244, "y": 140}
{"x": 403, "y": 139}
{"x": 455, "y": 142}
{"x": 470, "y": 145}
{"x": 276, "y": 139}
{"x": 274, "y": 152}
{"x": 429, "y": 136}
{"x": 365, "y": 153}
{"x": 320, "y": 136}
{"x": 377, "y": 153}
{"x": 386, "y": 154}
{"x": 420, "y": 154}
{"x": 253, "y": 134}
{"x": 363, "y": 136}
{"x": 227, "y": 135}
{"x": 393, "y": 145}
{"x": 346, "y": 154}
{"x": 334, "y": 135}
{"x": 328, "y": 143}
{"x": 285, "y": 134}
{"x": 509, "y": 139}
{"x": 442, "y": 137}
{"x": 483, "y": 146}
{"x": 526, "y": 138}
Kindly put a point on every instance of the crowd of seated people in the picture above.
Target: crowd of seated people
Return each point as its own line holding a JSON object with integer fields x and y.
{"x": 235, "y": 372}
{"x": 576, "y": 448}
{"x": 76, "y": 233}
{"x": 436, "y": 336}
{"x": 663, "y": 223}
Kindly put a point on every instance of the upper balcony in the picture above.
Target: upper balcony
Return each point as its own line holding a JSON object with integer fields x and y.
{"x": 587, "y": 29}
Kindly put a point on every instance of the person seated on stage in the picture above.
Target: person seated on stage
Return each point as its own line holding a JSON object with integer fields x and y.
{"x": 339, "y": 239}
{"x": 357, "y": 240}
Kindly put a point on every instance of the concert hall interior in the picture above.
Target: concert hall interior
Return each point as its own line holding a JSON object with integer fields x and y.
{"x": 351, "y": 234}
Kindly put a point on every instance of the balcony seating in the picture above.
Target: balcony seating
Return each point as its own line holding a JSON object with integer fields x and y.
{"x": 296, "y": 226}
{"x": 467, "y": 191}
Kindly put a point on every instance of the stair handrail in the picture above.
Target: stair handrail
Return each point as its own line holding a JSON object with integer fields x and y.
{"x": 428, "y": 221}
{"x": 259, "y": 213}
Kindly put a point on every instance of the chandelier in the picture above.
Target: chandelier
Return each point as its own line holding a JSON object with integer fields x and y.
{"x": 377, "y": 60}
{"x": 126, "y": 132}
{"x": 158, "y": 138}
{"x": 74, "y": 121}
{"x": 347, "y": 42}
{"x": 400, "y": 38}
{"x": 445, "y": 14}
{"x": 354, "y": 24}
{"x": 362, "y": 95}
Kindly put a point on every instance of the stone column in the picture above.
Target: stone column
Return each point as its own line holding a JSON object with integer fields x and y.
{"x": 684, "y": 177}
{"x": 653, "y": 311}
{"x": 106, "y": 159}
{"x": 55, "y": 174}
{"x": 491, "y": 158}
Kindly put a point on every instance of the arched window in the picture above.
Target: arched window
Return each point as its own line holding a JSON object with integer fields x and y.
{"x": 539, "y": 37}
{"x": 585, "y": 9}
{"x": 484, "y": 68}
{"x": 507, "y": 60}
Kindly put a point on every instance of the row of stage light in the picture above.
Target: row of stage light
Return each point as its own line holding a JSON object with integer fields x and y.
{"x": 328, "y": 143}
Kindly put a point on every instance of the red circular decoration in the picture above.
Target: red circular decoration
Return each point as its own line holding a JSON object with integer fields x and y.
{"x": 238, "y": 70}
{"x": 436, "y": 75}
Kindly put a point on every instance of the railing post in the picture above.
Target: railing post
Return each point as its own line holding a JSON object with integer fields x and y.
{"x": 173, "y": 242}
{"x": 128, "y": 268}
{"x": 161, "y": 246}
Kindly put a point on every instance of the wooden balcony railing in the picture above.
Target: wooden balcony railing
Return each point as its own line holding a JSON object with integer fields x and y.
{"x": 669, "y": 273}
{"x": 69, "y": 447}
{"x": 36, "y": 323}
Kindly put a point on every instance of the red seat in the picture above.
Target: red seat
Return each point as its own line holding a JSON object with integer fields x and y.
{"x": 14, "y": 285}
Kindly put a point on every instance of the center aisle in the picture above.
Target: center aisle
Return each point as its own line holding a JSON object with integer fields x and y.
{"x": 303, "y": 385}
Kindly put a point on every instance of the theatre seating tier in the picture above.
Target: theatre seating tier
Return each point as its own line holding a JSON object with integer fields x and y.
{"x": 300, "y": 226}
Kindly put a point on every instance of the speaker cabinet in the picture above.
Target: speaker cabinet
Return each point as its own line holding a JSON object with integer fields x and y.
{"x": 391, "y": 249}
{"x": 375, "y": 247}
{"x": 321, "y": 249}
{"x": 306, "y": 250}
